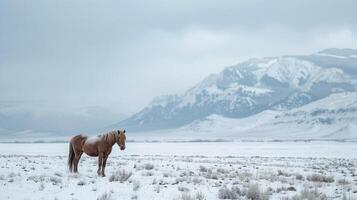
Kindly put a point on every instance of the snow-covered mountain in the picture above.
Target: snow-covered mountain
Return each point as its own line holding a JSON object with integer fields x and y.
{"x": 333, "y": 117}
{"x": 259, "y": 86}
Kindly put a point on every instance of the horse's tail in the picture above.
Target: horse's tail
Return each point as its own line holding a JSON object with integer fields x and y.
{"x": 70, "y": 157}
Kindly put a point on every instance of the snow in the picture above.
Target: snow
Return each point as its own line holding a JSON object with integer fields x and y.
{"x": 331, "y": 75}
{"x": 303, "y": 74}
{"x": 264, "y": 149}
{"x": 298, "y": 123}
{"x": 187, "y": 100}
{"x": 250, "y": 87}
{"x": 92, "y": 140}
{"x": 334, "y": 101}
{"x": 170, "y": 170}
{"x": 267, "y": 64}
{"x": 254, "y": 91}
{"x": 217, "y": 124}
{"x": 330, "y": 55}
{"x": 162, "y": 100}
{"x": 299, "y": 74}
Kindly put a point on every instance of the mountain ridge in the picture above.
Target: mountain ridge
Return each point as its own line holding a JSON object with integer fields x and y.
{"x": 250, "y": 87}
{"x": 332, "y": 117}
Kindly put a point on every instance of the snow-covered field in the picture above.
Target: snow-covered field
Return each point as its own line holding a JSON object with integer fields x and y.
{"x": 225, "y": 170}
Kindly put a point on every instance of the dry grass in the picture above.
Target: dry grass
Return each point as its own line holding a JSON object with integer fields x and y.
{"x": 223, "y": 178}
{"x": 254, "y": 193}
{"x": 183, "y": 189}
{"x": 148, "y": 166}
{"x": 136, "y": 185}
{"x": 121, "y": 176}
{"x": 105, "y": 196}
{"x": 320, "y": 178}
{"x": 55, "y": 180}
{"x": 307, "y": 194}
{"x": 200, "y": 196}
{"x": 81, "y": 183}
{"x": 232, "y": 193}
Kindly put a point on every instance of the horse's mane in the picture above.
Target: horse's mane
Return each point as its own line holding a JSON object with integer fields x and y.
{"x": 109, "y": 137}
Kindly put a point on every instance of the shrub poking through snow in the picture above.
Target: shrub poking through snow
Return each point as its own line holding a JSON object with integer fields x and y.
{"x": 254, "y": 193}
{"x": 42, "y": 187}
{"x": 320, "y": 178}
{"x": 200, "y": 196}
{"x": 11, "y": 175}
{"x": 120, "y": 176}
{"x": 148, "y": 173}
{"x": 136, "y": 185}
{"x": 183, "y": 189}
{"x": 36, "y": 178}
{"x": 226, "y": 193}
{"x": 196, "y": 180}
{"x": 55, "y": 180}
{"x": 157, "y": 188}
{"x": 211, "y": 175}
{"x": 343, "y": 182}
{"x": 290, "y": 188}
{"x": 187, "y": 196}
{"x": 166, "y": 174}
{"x": 81, "y": 183}
{"x": 299, "y": 177}
{"x": 203, "y": 169}
{"x": 148, "y": 166}
{"x": 282, "y": 173}
{"x": 309, "y": 194}
{"x": 105, "y": 196}
{"x": 59, "y": 174}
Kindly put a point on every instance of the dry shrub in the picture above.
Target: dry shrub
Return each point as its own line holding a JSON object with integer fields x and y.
{"x": 232, "y": 193}
{"x": 121, "y": 176}
{"x": 254, "y": 193}
{"x": 105, "y": 196}
{"x": 136, "y": 185}
{"x": 320, "y": 178}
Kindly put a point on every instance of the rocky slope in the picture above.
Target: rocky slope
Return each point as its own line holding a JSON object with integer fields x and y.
{"x": 246, "y": 89}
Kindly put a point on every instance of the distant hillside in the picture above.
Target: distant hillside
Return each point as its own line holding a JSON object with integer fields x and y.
{"x": 261, "y": 84}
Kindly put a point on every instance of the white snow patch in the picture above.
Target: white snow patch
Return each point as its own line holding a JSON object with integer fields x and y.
{"x": 181, "y": 169}
{"x": 330, "y": 55}
{"x": 93, "y": 140}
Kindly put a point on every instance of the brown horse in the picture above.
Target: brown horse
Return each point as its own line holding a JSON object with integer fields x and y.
{"x": 100, "y": 146}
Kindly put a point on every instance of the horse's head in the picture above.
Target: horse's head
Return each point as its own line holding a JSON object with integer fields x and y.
{"x": 121, "y": 139}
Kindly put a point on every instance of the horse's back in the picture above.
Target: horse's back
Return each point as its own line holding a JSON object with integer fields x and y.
{"x": 90, "y": 146}
{"x": 79, "y": 137}
{"x": 93, "y": 140}
{"x": 78, "y": 141}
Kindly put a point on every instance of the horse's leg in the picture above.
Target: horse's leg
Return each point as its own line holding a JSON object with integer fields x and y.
{"x": 76, "y": 160}
{"x": 100, "y": 163}
{"x": 104, "y": 164}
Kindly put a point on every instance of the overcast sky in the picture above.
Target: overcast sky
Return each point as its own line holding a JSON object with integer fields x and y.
{"x": 65, "y": 54}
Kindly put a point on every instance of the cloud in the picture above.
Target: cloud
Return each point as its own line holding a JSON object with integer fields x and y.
{"x": 121, "y": 54}
{"x": 336, "y": 38}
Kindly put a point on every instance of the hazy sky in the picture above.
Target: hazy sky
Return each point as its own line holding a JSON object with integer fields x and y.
{"x": 64, "y": 54}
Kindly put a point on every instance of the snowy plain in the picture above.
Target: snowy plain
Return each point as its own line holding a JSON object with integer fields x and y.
{"x": 211, "y": 170}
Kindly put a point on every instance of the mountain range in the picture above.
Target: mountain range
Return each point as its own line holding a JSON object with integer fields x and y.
{"x": 286, "y": 97}
{"x": 304, "y": 92}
